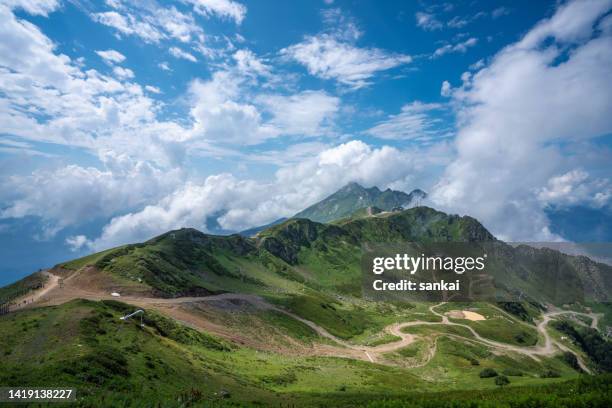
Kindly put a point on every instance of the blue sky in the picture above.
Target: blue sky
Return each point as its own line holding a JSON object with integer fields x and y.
{"x": 121, "y": 120}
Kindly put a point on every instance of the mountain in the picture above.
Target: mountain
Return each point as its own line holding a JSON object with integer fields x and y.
{"x": 280, "y": 318}
{"x": 327, "y": 257}
{"x": 353, "y": 197}
{"x": 352, "y": 200}
{"x": 255, "y": 230}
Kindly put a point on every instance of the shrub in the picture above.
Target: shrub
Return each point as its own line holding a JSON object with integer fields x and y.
{"x": 488, "y": 373}
{"x": 502, "y": 380}
{"x": 571, "y": 360}
{"x": 550, "y": 374}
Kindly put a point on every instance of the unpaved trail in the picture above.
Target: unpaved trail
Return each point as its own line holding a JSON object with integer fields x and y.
{"x": 38, "y": 295}
{"x": 53, "y": 295}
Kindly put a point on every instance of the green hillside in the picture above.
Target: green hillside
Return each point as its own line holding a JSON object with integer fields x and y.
{"x": 301, "y": 255}
{"x": 84, "y": 344}
{"x": 308, "y": 279}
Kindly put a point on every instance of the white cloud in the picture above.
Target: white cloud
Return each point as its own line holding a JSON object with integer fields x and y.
{"x": 446, "y": 89}
{"x": 333, "y": 53}
{"x": 248, "y": 63}
{"x": 224, "y": 110}
{"x": 178, "y": 53}
{"x": 123, "y": 73}
{"x": 220, "y": 113}
{"x": 164, "y": 66}
{"x": 305, "y": 113}
{"x": 499, "y": 12}
{"x": 175, "y": 24}
{"x": 413, "y": 122}
{"x": 153, "y": 89}
{"x": 428, "y": 21}
{"x": 76, "y": 242}
{"x": 129, "y": 25}
{"x": 551, "y": 86}
{"x": 572, "y": 23}
{"x": 477, "y": 65}
{"x": 576, "y": 187}
{"x": 223, "y": 8}
{"x": 151, "y": 22}
{"x": 340, "y": 25}
{"x": 457, "y": 22}
{"x": 47, "y": 97}
{"x": 34, "y": 7}
{"x": 71, "y": 194}
{"x": 460, "y": 47}
{"x": 111, "y": 56}
{"x": 326, "y": 57}
{"x": 246, "y": 203}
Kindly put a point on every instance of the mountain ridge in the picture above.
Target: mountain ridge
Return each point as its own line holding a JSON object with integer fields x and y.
{"x": 325, "y": 257}
{"x": 353, "y": 197}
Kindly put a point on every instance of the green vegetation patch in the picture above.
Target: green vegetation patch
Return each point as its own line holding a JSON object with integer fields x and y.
{"x": 330, "y": 314}
{"x": 594, "y": 345}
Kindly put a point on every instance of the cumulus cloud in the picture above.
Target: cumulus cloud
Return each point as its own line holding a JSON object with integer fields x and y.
{"x": 223, "y": 110}
{"x": 576, "y": 187}
{"x": 123, "y": 73}
{"x": 304, "y": 113}
{"x": 76, "y": 242}
{"x": 245, "y": 203}
{"x": 71, "y": 194}
{"x": 47, "y": 97}
{"x": 221, "y": 114}
{"x": 551, "y": 86}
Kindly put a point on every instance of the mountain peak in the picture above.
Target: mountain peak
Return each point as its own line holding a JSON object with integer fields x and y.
{"x": 354, "y": 186}
{"x": 353, "y": 197}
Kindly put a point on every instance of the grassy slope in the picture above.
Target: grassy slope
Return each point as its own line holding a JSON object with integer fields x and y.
{"x": 84, "y": 344}
{"x": 499, "y": 326}
{"x": 584, "y": 392}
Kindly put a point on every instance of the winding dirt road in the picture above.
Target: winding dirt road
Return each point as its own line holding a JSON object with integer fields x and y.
{"x": 51, "y": 294}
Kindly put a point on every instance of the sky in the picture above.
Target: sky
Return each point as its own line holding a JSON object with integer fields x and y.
{"x": 120, "y": 120}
